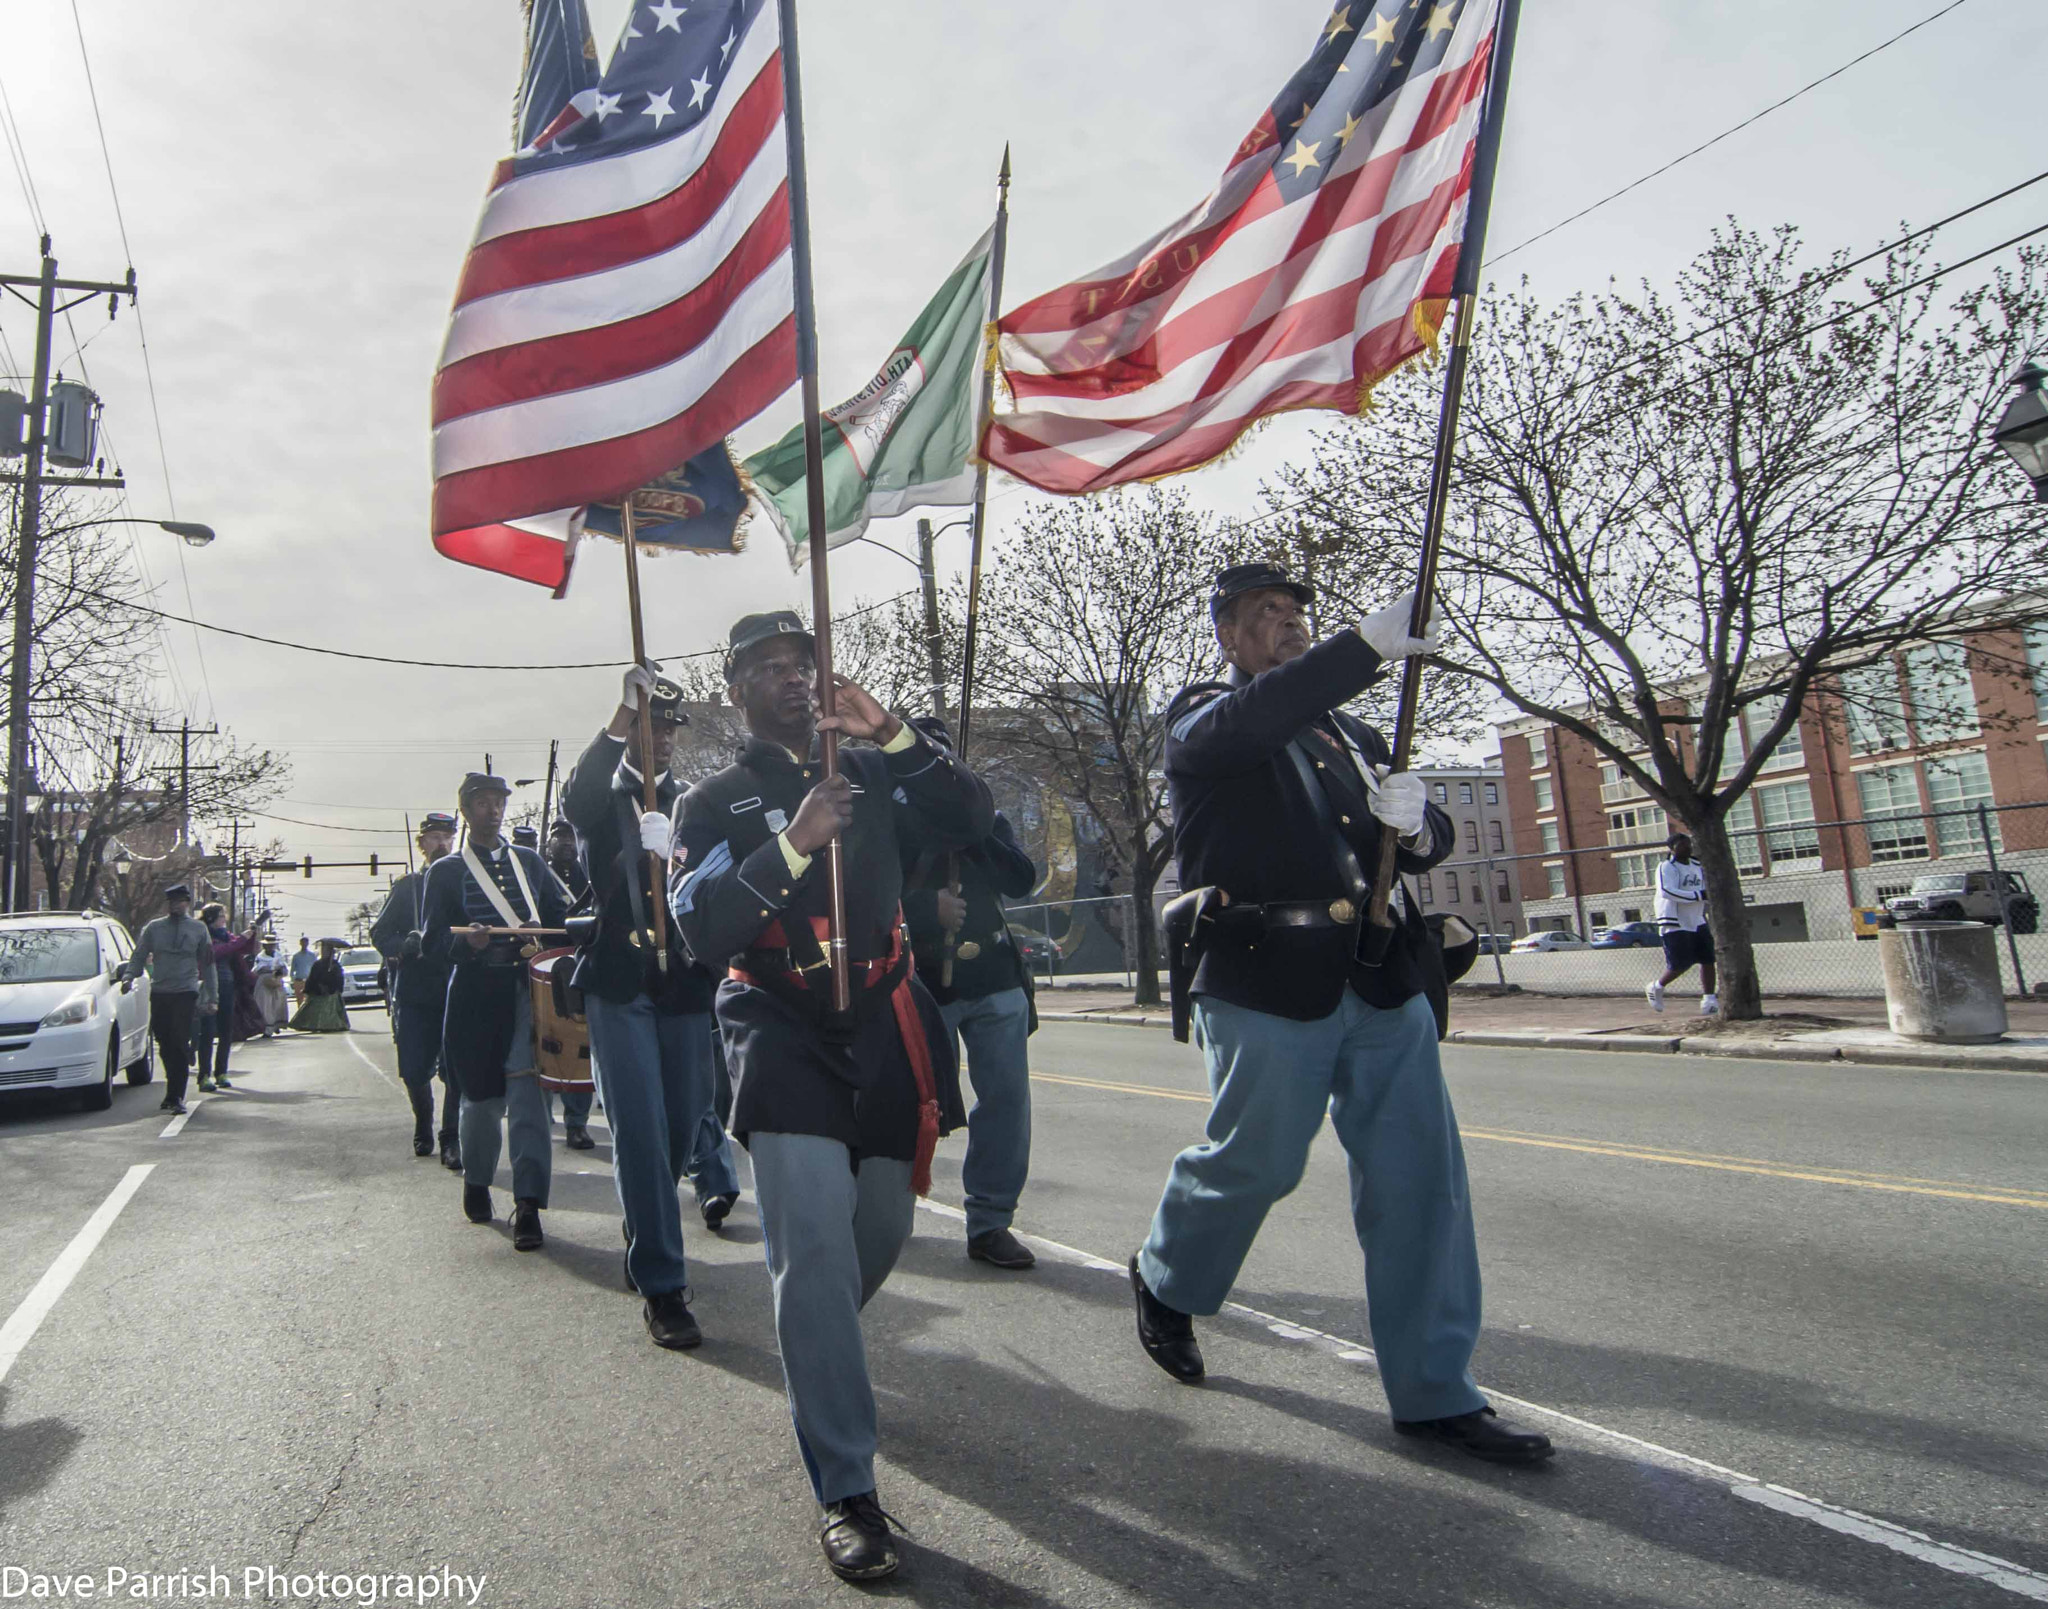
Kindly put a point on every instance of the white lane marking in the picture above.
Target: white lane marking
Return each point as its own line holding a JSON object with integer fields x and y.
{"x": 1985, "y": 1567}
{"x": 1959, "y": 1561}
{"x": 26, "y": 1319}
{"x": 182, "y": 1118}
{"x": 363, "y": 1056}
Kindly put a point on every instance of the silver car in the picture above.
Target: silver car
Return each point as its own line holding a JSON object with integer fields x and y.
{"x": 66, "y": 1023}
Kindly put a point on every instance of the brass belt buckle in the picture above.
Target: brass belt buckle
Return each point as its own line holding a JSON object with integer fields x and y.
{"x": 967, "y": 950}
{"x": 1343, "y": 912}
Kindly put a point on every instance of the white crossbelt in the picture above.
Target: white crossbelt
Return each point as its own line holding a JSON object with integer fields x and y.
{"x": 496, "y": 895}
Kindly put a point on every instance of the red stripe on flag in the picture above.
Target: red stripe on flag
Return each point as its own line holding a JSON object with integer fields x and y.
{"x": 602, "y": 470}
{"x": 614, "y": 351}
{"x": 509, "y": 551}
{"x": 591, "y": 245}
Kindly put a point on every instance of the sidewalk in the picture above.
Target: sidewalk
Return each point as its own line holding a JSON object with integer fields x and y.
{"x": 1813, "y": 1029}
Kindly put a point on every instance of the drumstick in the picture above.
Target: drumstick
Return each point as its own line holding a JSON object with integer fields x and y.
{"x": 520, "y": 932}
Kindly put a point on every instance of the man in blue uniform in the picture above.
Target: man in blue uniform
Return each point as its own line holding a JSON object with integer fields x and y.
{"x": 419, "y": 995}
{"x": 650, "y": 1029}
{"x": 953, "y": 906}
{"x": 487, "y": 1032}
{"x": 1279, "y": 800}
{"x": 839, "y": 1112}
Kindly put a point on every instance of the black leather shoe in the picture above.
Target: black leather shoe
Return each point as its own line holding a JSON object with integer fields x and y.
{"x": 476, "y": 1203}
{"x": 423, "y": 1145}
{"x": 578, "y": 1138}
{"x": 1001, "y": 1249}
{"x": 717, "y": 1209}
{"x": 670, "y": 1321}
{"x": 1166, "y": 1334}
{"x": 451, "y": 1156}
{"x": 1483, "y": 1434}
{"x": 856, "y": 1540}
{"x": 175, "y": 1108}
{"x": 526, "y": 1235}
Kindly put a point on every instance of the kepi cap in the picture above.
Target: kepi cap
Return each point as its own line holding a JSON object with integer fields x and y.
{"x": 437, "y": 821}
{"x": 1238, "y": 579}
{"x": 755, "y": 629}
{"x": 481, "y": 782}
{"x": 526, "y": 837}
{"x": 177, "y": 891}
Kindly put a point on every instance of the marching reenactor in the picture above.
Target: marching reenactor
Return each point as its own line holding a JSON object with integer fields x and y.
{"x": 953, "y": 905}
{"x": 565, "y": 862}
{"x": 1279, "y": 800}
{"x": 650, "y": 1027}
{"x": 840, "y": 1113}
{"x": 419, "y": 994}
{"x": 476, "y": 901}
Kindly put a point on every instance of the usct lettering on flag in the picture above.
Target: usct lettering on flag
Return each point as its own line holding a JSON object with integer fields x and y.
{"x": 629, "y": 298}
{"x": 1320, "y": 264}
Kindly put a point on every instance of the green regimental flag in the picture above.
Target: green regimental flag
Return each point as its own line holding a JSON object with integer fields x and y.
{"x": 906, "y": 440}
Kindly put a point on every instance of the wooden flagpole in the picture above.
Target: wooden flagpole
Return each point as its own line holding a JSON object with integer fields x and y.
{"x": 658, "y": 881}
{"x": 1464, "y": 293}
{"x": 814, "y": 478}
{"x": 998, "y": 253}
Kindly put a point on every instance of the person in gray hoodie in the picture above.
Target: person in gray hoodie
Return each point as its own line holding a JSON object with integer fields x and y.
{"x": 177, "y": 950}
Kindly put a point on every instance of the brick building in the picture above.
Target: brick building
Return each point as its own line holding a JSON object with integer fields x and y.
{"x": 1475, "y": 882}
{"x": 1866, "y": 794}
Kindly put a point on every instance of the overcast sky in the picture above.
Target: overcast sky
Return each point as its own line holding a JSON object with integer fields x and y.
{"x": 300, "y": 184}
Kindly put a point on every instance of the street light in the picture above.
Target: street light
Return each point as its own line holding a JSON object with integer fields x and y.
{"x": 2022, "y": 432}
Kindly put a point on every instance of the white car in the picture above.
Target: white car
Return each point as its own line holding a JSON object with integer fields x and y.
{"x": 359, "y": 970}
{"x": 1550, "y": 939}
{"x": 65, "y": 1022}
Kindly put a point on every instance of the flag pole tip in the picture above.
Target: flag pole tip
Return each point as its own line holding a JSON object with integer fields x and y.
{"x": 1005, "y": 175}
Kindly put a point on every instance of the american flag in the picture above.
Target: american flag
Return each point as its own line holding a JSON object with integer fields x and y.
{"x": 1321, "y": 262}
{"x": 629, "y": 298}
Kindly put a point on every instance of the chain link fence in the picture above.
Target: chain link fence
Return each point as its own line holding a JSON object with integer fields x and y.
{"x": 1077, "y": 937}
{"x": 1817, "y": 894}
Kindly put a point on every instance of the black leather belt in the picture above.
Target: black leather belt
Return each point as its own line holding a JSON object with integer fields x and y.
{"x": 1295, "y": 913}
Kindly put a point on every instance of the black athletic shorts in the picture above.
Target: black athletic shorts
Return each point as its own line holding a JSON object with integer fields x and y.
{"x": 1684, "y": 948}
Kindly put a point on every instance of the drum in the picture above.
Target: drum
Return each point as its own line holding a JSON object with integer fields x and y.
{"x": 561, "y": 1037}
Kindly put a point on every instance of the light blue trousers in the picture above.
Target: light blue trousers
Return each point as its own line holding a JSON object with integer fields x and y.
{"x": 997, "y": 1031}
{"x": 1377, "y": 1074}
{"x": 832, "y": 1235}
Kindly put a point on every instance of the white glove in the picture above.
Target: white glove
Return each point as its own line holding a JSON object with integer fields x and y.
{"x": 638, "y": 686}
{"x": 656, "y": 835}
{"x": 1386, "y": 633}
{"x": 1401, "y": 802}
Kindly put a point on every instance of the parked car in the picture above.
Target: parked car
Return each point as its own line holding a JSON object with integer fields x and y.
{"x": 1495, "y": 944}
{"x": 1040, "y": 954}
{"x": 362, "y": 974}
{"x": 1979, "y": 896}
{"x": 1629, "y": 936}
{"x": 65, "y": 1022}
{"x": 1550, "y": 939}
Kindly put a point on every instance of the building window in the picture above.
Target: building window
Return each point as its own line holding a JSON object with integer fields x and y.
{"x": 1464, "y": 793}
{"x": 1504, "y": 891}
{"x": 1944, "y": 703}
{"x": 1596, "y": 919}
{"x": 1634, "y": 871}
{"x": 1451, "y": 888}
{"x": 1493, "y": 793}
{"x": 2037, "y": 661}
{"x": 1960, "y": 782}
{"x": 1427, "y": 886}
{"x": 1439, "y": 792}
{"x": 1539, "y": 752}
{"x": 1545, "y": 800}
{"x": 1876, "y": 710}
{"x": 1639, "y": 824}
{"x": 1547, "y": 832}
{"x": 1554, "y": 876}
{"x": 1744, "y": 839}
{"x": 1790, "y": 754}
{"x": 1631, "y": 913}
{"x": 1471, "y": 836}
{"x": 1891, "y": 808}
{"x": 1497, "y": 836}
{"x": 1789, "y": 805}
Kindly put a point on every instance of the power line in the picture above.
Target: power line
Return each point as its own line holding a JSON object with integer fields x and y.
{"x": 1754, "y": 117}
{"x": 141, "y": 335}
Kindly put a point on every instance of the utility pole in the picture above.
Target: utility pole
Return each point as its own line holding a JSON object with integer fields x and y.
{"x": 934, "y": 644}
{"x": 186, "y": 731}
{"x": 28, "y": 529}
{"x": 547, "y": 793}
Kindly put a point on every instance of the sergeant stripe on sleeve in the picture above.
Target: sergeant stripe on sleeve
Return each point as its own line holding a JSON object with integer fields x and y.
{"x": 717, "y": 861}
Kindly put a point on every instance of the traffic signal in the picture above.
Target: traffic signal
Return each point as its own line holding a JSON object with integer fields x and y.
{"x": 308, "y": 863}
{"x": 373, "y": 865}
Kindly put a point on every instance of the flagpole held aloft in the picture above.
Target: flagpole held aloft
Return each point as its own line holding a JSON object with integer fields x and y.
{"x": 814, "y": 474}
{"x": 648, "y": 794}
{"x": 1378, "y": 930}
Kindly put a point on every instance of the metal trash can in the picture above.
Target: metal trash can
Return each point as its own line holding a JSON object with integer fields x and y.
{"x": 1941, "y": 982}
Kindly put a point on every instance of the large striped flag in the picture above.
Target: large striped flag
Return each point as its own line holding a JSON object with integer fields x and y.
{"x": 629, "y": 298}
{"x": 1319, "y": 265}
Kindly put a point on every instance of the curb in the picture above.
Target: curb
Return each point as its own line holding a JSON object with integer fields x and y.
{"x": 1983, "y": 1061}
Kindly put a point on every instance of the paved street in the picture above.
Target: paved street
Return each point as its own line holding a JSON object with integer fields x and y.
{"x": 1815, "y": 1297}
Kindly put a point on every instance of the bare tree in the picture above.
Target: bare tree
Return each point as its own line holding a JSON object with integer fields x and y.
{"x": 1712, "y": 501}
{"x": 1093, "y": 619}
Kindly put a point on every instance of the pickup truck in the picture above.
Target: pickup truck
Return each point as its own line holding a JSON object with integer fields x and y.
{"x": 1979, "y": 896}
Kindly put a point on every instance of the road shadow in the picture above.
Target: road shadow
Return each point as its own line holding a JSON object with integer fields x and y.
{"x": 31, "y": 1453}
{"x": 57, "y": 1111}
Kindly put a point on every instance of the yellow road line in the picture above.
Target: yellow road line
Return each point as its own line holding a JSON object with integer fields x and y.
{"x": 1893, "y": 1185}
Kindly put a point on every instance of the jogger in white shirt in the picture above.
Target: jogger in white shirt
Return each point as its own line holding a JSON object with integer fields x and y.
{"x": 1682, "y": 915}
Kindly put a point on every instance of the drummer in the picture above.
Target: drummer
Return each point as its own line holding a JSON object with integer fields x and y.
{"x": 472, "y": 899}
